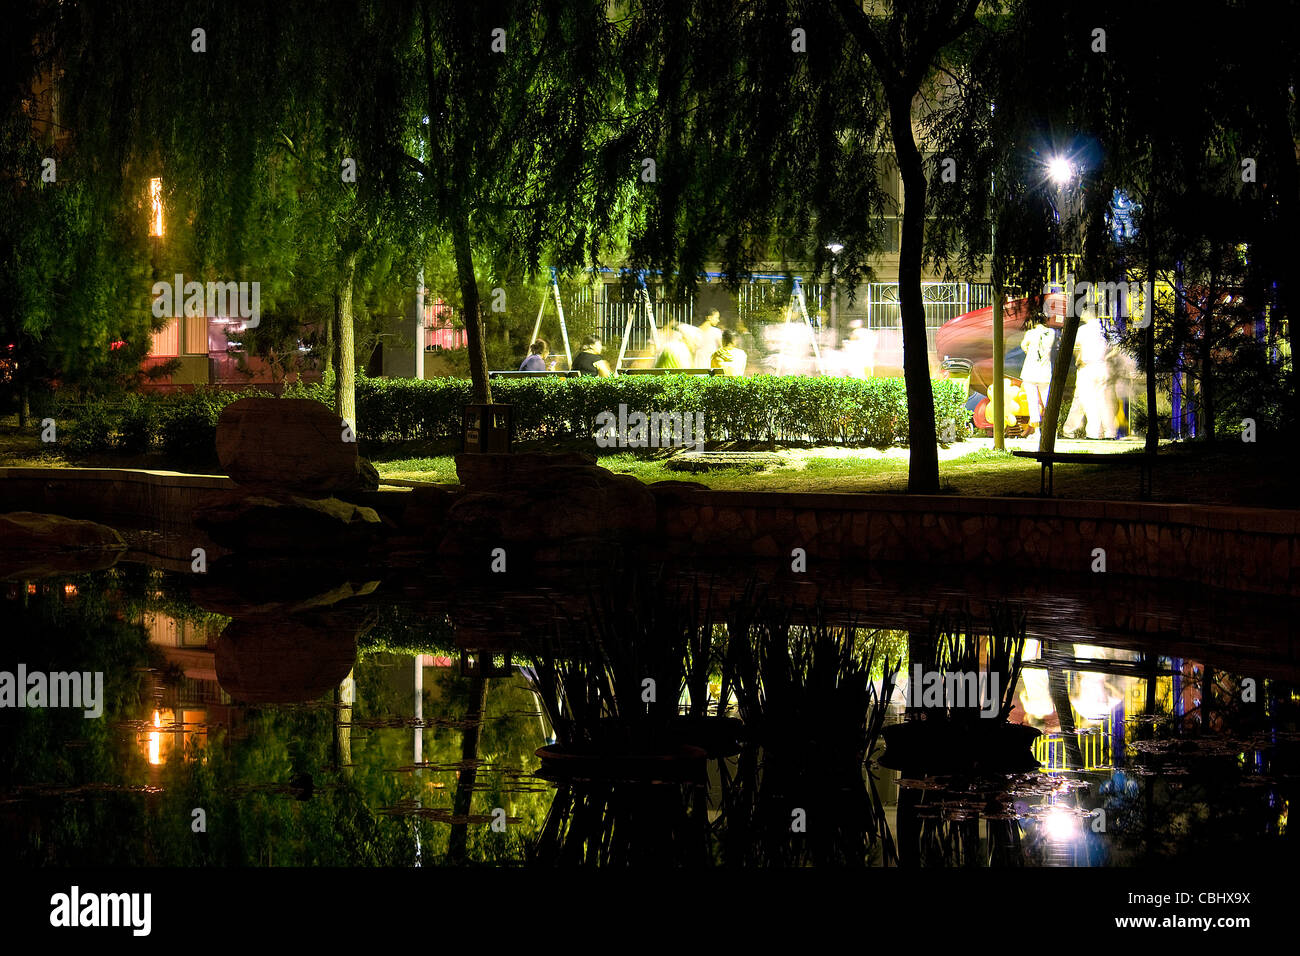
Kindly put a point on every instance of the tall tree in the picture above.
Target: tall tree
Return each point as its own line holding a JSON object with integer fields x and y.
{"x": 905, "y": 45}
{"x": 241, "y": 115}
{"x": 501, "y": 132}
{"x": 73, "y": 302}
{"x": 774, "y": 127}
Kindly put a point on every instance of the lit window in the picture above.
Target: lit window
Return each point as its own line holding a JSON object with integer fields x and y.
{"x": 166, "y": 341}
{"x": 155, "y": 207}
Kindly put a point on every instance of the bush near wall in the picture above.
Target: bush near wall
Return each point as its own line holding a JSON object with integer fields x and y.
{"x": 760, "y": 408}
{"x": 183, "y": 425}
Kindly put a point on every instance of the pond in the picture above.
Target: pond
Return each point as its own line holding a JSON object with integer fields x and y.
{"x": 270, "y": 715}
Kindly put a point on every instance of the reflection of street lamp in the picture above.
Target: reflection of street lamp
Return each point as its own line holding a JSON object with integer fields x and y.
{"x": 1060, "y": 825}
{"x": 834, "y": 248}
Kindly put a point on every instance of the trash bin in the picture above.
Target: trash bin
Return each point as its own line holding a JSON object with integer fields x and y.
{"x": 488, "y": 428}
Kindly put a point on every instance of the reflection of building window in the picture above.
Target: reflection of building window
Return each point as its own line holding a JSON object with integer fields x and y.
{"x": 166, "y": 341}
{"x": 155, "y": 207}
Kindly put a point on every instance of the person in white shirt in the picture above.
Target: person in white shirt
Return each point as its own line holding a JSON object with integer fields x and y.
{"x": 1092, "y": 395}
{"x": 710, "y": 338}
{"x": 1036, "y": 373}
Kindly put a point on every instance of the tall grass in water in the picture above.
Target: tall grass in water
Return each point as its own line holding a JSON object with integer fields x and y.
{"x": 960, "y": 642}
{"x": 800, "y": 792}
{"x": 812, "y": 717}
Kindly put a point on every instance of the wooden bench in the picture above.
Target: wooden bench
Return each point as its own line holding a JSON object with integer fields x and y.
{"x": 1047, "y": 459}
{"x": 569, "y": 373}
{"x": 670, "y": 371}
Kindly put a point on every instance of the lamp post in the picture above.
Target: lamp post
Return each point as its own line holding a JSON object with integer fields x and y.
{"x": 834, "y": 248}
{"x": 1061, "y": 172}
{"x": 999, "y": 341}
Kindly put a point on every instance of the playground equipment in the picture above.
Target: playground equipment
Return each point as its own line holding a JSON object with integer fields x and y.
{"x": 797, "y": 299}
{"x": 559, "y": 308}
{"x": 643, "y": 300}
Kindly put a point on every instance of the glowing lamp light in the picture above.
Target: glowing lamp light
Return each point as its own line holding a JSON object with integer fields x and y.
{"x": 1059, "y": 824}
{"x": 834, "y": 248}
{"x": 1060, "y": 170}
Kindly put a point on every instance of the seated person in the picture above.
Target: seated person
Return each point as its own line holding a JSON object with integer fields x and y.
{"x": 589, "y": 360}
{"x": 728, "y": 357}
{"x": 536, "y": 360}
{"x": 710, "y": 339}
{"x": 674, "y": 353}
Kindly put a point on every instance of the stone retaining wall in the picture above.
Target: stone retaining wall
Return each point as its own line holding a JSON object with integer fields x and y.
{"x": 158, "y": 502}
{"x": 1243, "y": 549}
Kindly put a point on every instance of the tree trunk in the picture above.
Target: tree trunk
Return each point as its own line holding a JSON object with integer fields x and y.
{"x": 329, "y": 342}
{"x": 345, "y": 379}
{"x": 1206, "y": 402}
{"x": 457, "y": 841}
{"x": 1059, "y": 689}
{"x": 923, "y": 457}
{"x": 472, "y": 313}
{"x": 999, "y": 357}
{"x": 1149, "y": 358}
{"x": 1060, "y": 374}
{"x": 344, "y": 697}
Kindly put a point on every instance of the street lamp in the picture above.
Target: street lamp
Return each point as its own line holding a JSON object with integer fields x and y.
{"x": 1060, "y": 170}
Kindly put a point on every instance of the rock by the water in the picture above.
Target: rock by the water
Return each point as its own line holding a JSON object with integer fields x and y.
{"x": 486, "y": 472}
{"x": 30, "y": 532}
{"x": 561, "y": 506}
{"x": 290, "y": 444}
{"x": 287, "y": 523}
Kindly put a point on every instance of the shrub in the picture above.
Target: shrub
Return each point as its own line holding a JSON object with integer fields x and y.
{"x": 138, "y": 425}
{"x": 188, "y": 423}
{"x": 316, "y": 391}
{"x": 762, "y": 408}
{"x": 757, "y": 408}
{"x": 88, "y": 428}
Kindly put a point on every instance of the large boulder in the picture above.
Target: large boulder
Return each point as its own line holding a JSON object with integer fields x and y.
{"x": 488, "y": 472}
{"x": 558, "y": 507}
{"x": 287, "y": 660}
{"x": 290, "y": 444}
{"x": 287, "y": 523}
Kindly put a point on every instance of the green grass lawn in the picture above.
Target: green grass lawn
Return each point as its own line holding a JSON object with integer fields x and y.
{"x": 1229, "y": 472}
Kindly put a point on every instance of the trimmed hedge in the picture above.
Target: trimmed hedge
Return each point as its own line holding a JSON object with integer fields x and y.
{"x": 758, "y": 408}
{"x": 183, "y": 425}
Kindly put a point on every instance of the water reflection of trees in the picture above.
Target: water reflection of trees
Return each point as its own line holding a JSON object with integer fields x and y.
{"x": 798, "y": 791}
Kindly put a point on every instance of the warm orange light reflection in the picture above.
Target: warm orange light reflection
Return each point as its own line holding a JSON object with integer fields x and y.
{"x": 155, "y": 207}
{"x": 155, "y": 740}
{"x": 70, "y": 590}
